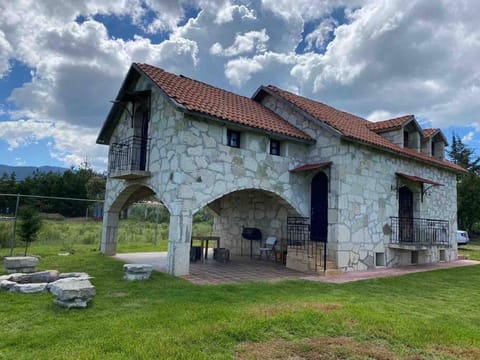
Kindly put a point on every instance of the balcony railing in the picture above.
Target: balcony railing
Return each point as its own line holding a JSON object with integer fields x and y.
{"x": 416, "y": 231}
{"x": 129, "y": 158}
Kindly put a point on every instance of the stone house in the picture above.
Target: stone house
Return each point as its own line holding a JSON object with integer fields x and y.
{"x": 338, "y": 191}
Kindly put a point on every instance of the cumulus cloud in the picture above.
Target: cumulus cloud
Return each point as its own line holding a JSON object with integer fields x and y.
{"x": 374, "y": 58}
{"x": 244, "y": 43}
{"x": 469, "y": 137}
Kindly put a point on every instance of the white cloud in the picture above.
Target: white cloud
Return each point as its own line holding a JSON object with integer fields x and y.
{"x": 244, "y": 43}
{"x": 468, "y": 138}
{"x": 380, "y": 115}
{"x": 388, "y": 58}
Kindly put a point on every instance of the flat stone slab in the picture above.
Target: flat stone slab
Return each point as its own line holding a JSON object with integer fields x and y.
{"x": 46, "y": 276}
{"x": 138, "y": 268}
{"x": 29, "y": 288}
{"x": 71, "y": 289}
{"x": 7, "y": 284}
{"x": 72, "y": 304}
{"x": 137, "y": 272}
{"x": 78, "y": 275}
{"x": 22, "y": 264}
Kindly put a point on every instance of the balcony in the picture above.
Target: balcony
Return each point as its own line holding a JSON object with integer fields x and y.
{"x": 129, "y": 158}
{"x": 418, "y": 234}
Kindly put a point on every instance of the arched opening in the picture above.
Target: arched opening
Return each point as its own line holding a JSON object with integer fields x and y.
{"x": 135, "y": 221}
{"x": 319, "y": 208}
{"x": 250, "y": 208}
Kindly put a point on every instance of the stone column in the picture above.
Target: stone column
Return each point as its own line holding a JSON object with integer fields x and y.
{"x": 179, "y": 237}
{"x": 109, "y": 233}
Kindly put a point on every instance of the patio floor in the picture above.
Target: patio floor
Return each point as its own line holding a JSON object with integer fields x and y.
{"x": 242, "y": 269}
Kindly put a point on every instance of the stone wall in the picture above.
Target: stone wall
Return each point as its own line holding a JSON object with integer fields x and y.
{"x": 363, "y": 195}
{"x": 250, "y": 208}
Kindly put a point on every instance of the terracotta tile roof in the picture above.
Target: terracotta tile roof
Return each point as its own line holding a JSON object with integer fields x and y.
{"x": 418, "y": 179}
{"x": 391, "y": 124}
{"x": 430, "y": 132}
{"x": 206, "y": 99}
{"x": 308, "y": 167}
{"x": 354, "y": 127}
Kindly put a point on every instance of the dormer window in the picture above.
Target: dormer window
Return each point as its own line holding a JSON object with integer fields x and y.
{"x": 274, "y": 147}
{"x": 405, "y": 139}
{"x": 233, "y": 138}
{"x": 433, "y": 149}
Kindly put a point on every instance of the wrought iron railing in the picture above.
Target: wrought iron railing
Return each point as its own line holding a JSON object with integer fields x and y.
{"x": 131, "y": 154}
{"x": 299, "y": 239}
{"x": 416, "y": 231}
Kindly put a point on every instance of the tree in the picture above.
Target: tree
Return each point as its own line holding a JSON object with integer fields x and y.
{"x": 468, "y": 186}
{"x": 30, "y": 224}
{"x": 462, "y": 155}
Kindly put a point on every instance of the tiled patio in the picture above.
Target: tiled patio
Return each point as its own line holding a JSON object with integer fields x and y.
{"x": 242, "y": 269}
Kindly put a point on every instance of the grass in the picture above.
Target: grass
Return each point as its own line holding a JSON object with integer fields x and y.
{"x": 471, "y": 250}
{"x": 74, "y": 235}
{"x": 432, "y": 315}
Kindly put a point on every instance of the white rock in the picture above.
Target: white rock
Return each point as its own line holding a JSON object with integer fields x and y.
{"x": 72, "y": 288}
{"x": 7, "y": 284}
{"x": 29, "y": 288}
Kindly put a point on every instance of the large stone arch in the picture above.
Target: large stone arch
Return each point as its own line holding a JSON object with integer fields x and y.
{"x": 249, "y": 207}
{"x": 207, "y": 201}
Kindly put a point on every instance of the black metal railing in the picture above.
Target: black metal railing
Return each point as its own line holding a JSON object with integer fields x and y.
{"x": 416, "y": 231}
{"x": 131, "y": 154}
{"x": 299, "y": 239}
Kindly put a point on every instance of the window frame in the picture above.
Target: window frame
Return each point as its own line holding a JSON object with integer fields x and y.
{"x": 234, "y": 138}
{"x": 277, "y": 147}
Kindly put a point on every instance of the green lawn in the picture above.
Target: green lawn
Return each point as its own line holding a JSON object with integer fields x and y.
{"x": 432, "y": 315}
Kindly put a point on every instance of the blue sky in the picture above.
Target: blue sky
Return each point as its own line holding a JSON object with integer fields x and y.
{"x": 61, "y": 63}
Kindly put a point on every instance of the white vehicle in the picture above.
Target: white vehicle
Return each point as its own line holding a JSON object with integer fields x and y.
{"x": 462, "y": 237}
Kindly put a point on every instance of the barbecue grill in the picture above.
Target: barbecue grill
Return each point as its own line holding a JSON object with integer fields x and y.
{"x": 251, "y": 234}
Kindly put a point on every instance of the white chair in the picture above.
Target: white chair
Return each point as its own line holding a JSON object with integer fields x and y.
{"x": 269, "y": 247}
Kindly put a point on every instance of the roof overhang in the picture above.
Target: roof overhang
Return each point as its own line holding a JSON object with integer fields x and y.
{"x": 308, "y": 167}
{"x": 117, "y": 109}
{"x": 418, "y": 179}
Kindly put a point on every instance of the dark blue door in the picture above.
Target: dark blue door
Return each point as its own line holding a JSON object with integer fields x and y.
{"x": 319, "y": 208}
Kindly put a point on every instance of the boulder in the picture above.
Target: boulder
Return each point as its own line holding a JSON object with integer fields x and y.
{"x": 46, "y": 276}
{"x": 72, "y": 304}
{"x": 72, "y": 292}
{"x": 135, "y": 272}
{"x": 29, "y": 288}
{"x": 22, "y": 264}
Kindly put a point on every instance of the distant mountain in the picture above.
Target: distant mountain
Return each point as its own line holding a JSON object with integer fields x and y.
{"x": 22, "y": 172}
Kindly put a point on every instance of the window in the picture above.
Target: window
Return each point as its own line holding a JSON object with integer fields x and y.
{"x": 380, "y": 259}
{"x": 233, "y": 138}
{"x": 414, "y": 257}
{"x": 274, "y": 147}
{"x": 405, "y": 139}
{"x": 433, "y": 149}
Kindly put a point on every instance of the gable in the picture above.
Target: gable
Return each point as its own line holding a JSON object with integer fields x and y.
{"x": 197, "y": 98}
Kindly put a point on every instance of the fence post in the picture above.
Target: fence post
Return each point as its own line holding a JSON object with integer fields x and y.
{"x": 12, "y": 244}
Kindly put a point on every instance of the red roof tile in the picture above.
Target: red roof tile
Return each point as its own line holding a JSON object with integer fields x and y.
{"x": 418, "y": 179}
{"x": 206, "y": 99}
{"x": 430, "y": 132}
{"x": 307, "y": 167}
{"x": 391, "y": 124}
{"x": 354, "y": 127}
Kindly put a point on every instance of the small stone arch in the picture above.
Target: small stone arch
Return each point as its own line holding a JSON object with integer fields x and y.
{"x": 125, "y": 197}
